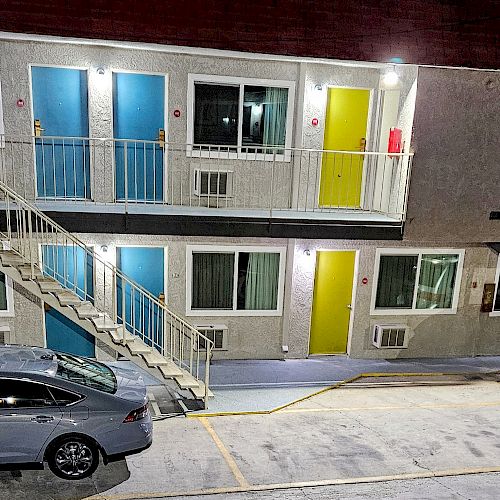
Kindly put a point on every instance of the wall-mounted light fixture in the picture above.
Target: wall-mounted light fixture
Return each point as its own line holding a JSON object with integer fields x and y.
{"x": 104, "y": 248}
{"x": 100, "y": 71}
{"x": 318, "y": 87}
{"x": 390, "y": 77}
{"x": 307, "y": 252}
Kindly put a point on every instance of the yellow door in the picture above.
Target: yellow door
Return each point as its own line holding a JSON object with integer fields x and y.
{"x": 345, "y": 130}
{"x": 331, "y": 309}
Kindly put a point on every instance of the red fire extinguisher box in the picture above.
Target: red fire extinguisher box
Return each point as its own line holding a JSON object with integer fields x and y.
{"x": 395, "y": 137}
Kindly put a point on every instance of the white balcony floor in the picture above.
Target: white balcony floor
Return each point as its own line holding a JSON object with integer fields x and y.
{"x": 340, "y": 215}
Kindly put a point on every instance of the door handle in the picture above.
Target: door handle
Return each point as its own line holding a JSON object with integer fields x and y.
{"x": 38, "y": 128}
{"x": 362, "y": 144}
{"x": 42, "y": 419}
{"x": 161, "y": 137}
{"x": 349, "y": 306}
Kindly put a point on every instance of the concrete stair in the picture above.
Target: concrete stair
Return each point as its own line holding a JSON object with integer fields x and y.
{"x": 85, "y": 314}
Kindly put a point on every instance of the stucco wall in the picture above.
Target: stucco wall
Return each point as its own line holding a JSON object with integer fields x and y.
{"x": 455, "y": 181}
{"x": 466, "y": 333}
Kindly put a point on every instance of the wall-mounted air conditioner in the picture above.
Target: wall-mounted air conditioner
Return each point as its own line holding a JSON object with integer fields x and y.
{"x": 390, "y": 336}
{"x": 213, "y": 182}
{"x": 216, "y": 333}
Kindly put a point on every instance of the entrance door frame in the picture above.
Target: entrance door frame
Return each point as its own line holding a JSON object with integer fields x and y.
{"x": 369, "y": 122}
{"x": 353, "y": 298}
{"x": 165, "y": 264}
{"x": 90, "y": 133}
{"x": 166, "y": 96}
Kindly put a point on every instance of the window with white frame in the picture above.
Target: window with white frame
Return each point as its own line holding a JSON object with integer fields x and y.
{"x": 496, "y": 298}
{"x": 6, "y": 296}
{"x": 250, "y": 118}
{"x": 409, "y": 281}
{"x": 234, "y": 281}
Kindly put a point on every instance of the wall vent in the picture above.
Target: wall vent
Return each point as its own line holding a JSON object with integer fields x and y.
{"x": 390, "y": 336}
{"x": 216, "y": 333}
{"x": 213, "y": 182}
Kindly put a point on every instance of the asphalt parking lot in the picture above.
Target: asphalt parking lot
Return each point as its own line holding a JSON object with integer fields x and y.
{"x": 348, "y": 435}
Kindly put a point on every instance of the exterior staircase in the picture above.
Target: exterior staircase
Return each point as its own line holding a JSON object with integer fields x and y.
{"x": 54, "y": 265}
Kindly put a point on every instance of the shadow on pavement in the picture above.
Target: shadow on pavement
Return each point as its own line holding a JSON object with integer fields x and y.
{"x": 43, "y": 485}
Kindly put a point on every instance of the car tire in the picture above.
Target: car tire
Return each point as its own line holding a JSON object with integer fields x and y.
{"x": 73, "y": 458}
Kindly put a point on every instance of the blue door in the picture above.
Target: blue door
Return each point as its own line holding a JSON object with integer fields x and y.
{"x": 74, "y": 269}
{"x": 62, "y": 153}
{"x": 138, "y": 116}
{"x": 145, "y": 266}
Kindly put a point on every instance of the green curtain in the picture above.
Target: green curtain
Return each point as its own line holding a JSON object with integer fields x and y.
{"x": 275, "y": 117}
{"x": 212, "y": 285}
{"x": 396, "y": 281}
{"x": 261, "y": 284}
{"x": 437, "y": 281}
{"x": 3, "y": 293}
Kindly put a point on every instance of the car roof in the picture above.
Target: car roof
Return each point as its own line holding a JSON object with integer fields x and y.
{"x": 22, "y": 359}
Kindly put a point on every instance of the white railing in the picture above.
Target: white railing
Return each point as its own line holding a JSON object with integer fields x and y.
{"x": 268, "y": 179}
{"x": 51, "y": 249}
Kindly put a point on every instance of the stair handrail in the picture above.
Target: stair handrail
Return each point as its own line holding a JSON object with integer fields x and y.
{"x": 31, "y": 208}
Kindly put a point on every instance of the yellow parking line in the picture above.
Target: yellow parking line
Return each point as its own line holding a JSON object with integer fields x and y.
{"x": 329, "y": 388}
{"x": 225, "y": 453}
{"x": 302, "y": 484}
{"x": 370, "y": 408}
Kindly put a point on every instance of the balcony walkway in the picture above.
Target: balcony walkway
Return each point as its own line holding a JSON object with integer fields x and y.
{"x": 340, "y": 215}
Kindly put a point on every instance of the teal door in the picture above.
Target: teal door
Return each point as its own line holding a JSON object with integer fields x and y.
{"x": 145, "y": 266}
{"x": 74, "y": 269}
{"x": 60, "y": 111}
{"x": 138, "y": 122}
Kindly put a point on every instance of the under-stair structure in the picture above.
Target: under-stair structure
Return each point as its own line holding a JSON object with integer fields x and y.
{"x": 70, "y": 276}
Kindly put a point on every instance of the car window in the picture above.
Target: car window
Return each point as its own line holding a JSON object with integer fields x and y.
{"x": 24, "y": 394}
{"x": 86, "y": 372}
{"x": 64, "y": 398}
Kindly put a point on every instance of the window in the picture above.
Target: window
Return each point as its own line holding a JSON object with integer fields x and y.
{"x": 416, "y": 281}
{"x": 237, "y": 281}
{"x": 237, "y": 117}
{"x": 496, "y": 299}
{"x": 63, "y": 397}
{"x": 85, "y": 372}
{"x": 24, "y": 394}
{"x": 6, "y": 296}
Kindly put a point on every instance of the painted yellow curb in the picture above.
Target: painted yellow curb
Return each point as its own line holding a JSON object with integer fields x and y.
{"x": 303, "y": 484}
{"x": 330, "y": 388}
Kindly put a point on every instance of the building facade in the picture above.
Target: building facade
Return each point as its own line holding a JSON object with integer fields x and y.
{"x": 284, "y": 206}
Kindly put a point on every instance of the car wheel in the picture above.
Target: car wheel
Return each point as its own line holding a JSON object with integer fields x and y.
{"x": 73, "y": 458}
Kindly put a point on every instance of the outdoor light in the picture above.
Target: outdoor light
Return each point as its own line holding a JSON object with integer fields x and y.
{"x": 318, "y": 87}
{"x": 307, "y": 252}
{"x": 104, "y": 248}
{"x": 100, "y": 71}
{"x": 391, "y": 78}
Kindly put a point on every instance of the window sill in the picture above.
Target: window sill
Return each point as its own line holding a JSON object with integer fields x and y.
{"x": 224, "y": 312}
{"x": 238, "y": 155}
{"x": 7, "y": 314}
{"x": 494, "y": 314}
{"x": 411, "y": 312}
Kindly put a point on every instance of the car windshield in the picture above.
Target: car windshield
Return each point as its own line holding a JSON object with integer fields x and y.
{"x": 86, "y": 372}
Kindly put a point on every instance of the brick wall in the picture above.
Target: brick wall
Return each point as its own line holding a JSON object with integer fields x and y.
{"x": 436, "y": 32}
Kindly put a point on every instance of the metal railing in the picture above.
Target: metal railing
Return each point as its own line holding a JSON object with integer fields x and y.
{"x": 266, "y": 179}
{"x": 56, "y": 253}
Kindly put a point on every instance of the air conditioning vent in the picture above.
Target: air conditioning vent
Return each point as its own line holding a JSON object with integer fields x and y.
{"x": 213, "y": 182}
{"x": 390, "y": 336}
{"x": 216, "y": 333}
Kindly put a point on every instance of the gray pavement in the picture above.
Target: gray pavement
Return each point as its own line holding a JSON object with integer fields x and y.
{"x": 407, "y": 434}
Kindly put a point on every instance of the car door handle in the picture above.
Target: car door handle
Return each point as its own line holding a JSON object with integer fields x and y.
{"x": 42, "y": 419}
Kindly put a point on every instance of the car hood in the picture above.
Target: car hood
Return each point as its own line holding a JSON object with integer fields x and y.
{"x": 129, "y": 384}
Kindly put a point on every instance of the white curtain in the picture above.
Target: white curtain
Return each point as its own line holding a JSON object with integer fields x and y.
{"x": 275, "y": 116}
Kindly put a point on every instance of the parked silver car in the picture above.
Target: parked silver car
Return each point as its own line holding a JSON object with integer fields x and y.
{"x": 67, "y": 410}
